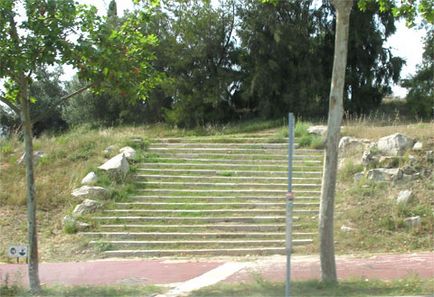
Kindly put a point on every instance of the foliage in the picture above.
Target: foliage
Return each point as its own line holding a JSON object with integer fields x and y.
{"x": 420, "y": 97}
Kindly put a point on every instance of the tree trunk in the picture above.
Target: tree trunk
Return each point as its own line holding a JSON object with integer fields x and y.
{"x": 35, "y": 286}
{"x": 336, "y": 109}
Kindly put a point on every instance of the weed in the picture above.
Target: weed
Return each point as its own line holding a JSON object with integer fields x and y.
{"x": 349, "y": 169}
{"x": 102, "y": 246}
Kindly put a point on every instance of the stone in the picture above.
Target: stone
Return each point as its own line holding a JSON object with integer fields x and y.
{"x": 388, "y": 162}
{"x": 86, "y": 207}
{"x": 36, "y": 156}
{"x": 370, "y": 157}
{"x": 117, "y": 165}
{"x": 90, "y": 192}
{"x": 348, "y": 144}
{"x": 395, "y": 144}
{"x": 347, "y": 229}
{"x": 108, "y": 150}
{"x": 129, "y": 152}
{"x": 429, "y": 155}
{"x": 89, "y": 179}
{"x": 409, "y": 170}
{"x": 384, "y": 174}
{"x": 418, "y": 146}
{"x": 317, "y": 130}
{"x": 74, "y": 225}
{"x": 358, "y": 176}
{"x": 404, "y": 197}
{"x": 410, "y": 177}
{"x": 413, "y": 222}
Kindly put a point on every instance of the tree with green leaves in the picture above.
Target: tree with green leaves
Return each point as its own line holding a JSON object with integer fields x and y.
{"x": 420, "y": 97}
{"x": 116, "y": 59}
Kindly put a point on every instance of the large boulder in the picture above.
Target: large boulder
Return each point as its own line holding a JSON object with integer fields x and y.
{"x": 404, "y": 197}
{"x": 129, "y": 152}
{"x": 36, "y": 156}
{"x": 317, "y": 130}
{"x": 395, "y": 144}
{"x": 413, "y": 222}
{"x": 86, "y": 192}
{"x": 118, "y": 165}
{"x": 348, "y": 144}
{"x": 89, "y": 179}
{"x": 72, "y": 225}
{"x": 86, "y": 207}
{"x": 384, "y": 174}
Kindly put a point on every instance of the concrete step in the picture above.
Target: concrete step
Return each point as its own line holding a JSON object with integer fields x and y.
{"x": 199, "y": 252}
{"x": 225, "y": 211}
{"x": 224, "y": 178}
{"x": 189, "y": 219}
{"x": 250, "y": 145}
{"x": 253, "y": 199}
{"x": 311, "y": 165}
{"x": 226, "y": 150}
{"x": 283, "y": 156}
{"x": 208, "y": 204}
{"x": 212, "y": 185}
{"x": 233, "y": 172}
{"x": 202, "y": 229}
{"x": 281, "y": 192}
{"x": 235, "y": 161}
{"x": 190, "y": 235}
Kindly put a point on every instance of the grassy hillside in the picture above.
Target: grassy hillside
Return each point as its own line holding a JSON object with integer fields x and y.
{"x": 69, "y": 157}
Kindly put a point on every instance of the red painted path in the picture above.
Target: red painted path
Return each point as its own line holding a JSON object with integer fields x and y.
{"x": 111, "y": 272}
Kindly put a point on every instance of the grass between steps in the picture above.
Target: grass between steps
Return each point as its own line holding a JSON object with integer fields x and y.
{"x": 347, "y": 288}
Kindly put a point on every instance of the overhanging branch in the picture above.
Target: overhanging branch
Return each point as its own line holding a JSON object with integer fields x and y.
{"x": 10, "y": 105}
{"x": 56, "y": 103}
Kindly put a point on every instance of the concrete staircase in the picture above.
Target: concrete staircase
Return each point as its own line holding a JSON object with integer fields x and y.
{"x": 215, "y": 195}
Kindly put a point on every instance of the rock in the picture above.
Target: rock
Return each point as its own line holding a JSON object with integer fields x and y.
{"x": 384, "y": 174}
{"x": 388, "y": 162}
{"x": 413, "y": 221}
{"x": 74, "y": 225}
{"x": 117, "y": 165}
{"x": 369, "y": 157}
{"x": 409, "y": 170}
{"x": 410, "y": 177}
{"x": 36, "y": 156}
{"x": 358, "y": 176}
{"x": 81, "y": 226}
{"x": 86, "y": 207}
{"x": 429, "y": 155}
{"x": 347, "y": 229}
{"x": 317, "y": 130}
{"x": 89, "y": 179}
{"x": 129, "y": 152}
{"x": 348, "y": 144}
{"x": 108, "y": 150}
{"x": 90, "y": 192}
{"x": 395, "y": 144}
{"x": 404, "y": 197}
{"x": 418, "y": 146}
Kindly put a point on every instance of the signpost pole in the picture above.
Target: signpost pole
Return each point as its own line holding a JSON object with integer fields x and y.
{"x": 289, "y": 205}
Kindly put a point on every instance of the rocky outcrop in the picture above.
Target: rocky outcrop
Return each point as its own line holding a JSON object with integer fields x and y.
{"x": 348, "y": 144}
{"x": 129, "y": 152}
{"x": 86, "y": 207}
{"x": 404, "y": 197}
{"x": 317, "y": 130}
{"x": 89, "y": 179}
{"x": 86, "y": 192}
{"x": 395, "y": 144}
{"x": 118, "y": 165}
{"x": 384, "y": 174}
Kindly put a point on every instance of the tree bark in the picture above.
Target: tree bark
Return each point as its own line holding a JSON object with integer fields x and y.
{"x": 336, "y": 110}
{"x": 33, "y": 268}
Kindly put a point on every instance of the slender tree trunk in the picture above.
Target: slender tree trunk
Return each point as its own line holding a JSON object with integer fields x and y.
{"x": 336, "y": 109}
{"x": 35, "y": 286}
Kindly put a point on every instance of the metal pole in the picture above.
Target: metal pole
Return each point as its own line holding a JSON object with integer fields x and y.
{"x": 289, "y": 205}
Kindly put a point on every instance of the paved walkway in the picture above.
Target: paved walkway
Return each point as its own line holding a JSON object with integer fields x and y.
{"x": 110, "y": 272}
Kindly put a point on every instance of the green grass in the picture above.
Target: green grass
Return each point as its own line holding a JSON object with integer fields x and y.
{"x": 84, "y": 291}
{"x": 352, "y": 288}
